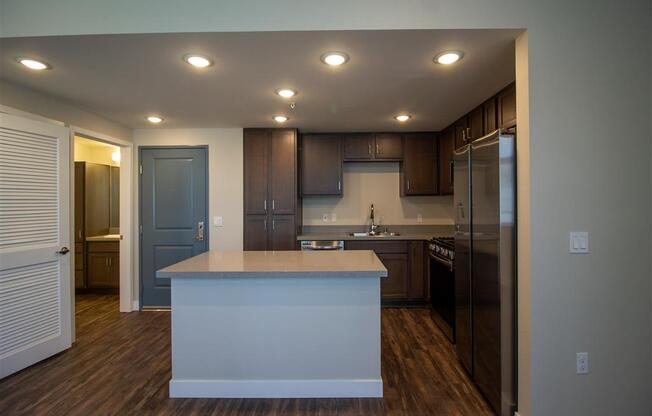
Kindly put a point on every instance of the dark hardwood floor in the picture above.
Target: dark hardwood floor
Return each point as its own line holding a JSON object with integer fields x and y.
{"x": 120, "y": 365}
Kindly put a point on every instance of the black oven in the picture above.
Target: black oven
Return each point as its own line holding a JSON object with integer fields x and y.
{"x": 442, "y": 284}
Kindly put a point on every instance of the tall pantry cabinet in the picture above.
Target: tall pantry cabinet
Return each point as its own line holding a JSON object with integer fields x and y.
{"x": 272, "y": 212}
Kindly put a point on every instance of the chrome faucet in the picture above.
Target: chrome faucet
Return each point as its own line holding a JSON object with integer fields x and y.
{"x": 374, "y": 226}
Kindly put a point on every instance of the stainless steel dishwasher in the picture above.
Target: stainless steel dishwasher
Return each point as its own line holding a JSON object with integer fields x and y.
{"x": 317, "y": 245}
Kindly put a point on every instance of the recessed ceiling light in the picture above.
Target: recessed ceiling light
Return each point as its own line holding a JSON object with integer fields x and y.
{"x": 403, "y": 117}
{"x": 280, "y": 119}
{"x": 334, "y": 58}
{"x": 154, "y": 119}
{"x": 448, "y": 57}
{"x": 33, "y": 64}
{"x": 198, "y": 61}
{"x": 286, "y": 93}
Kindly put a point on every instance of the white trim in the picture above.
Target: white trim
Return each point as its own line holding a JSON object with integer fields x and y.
{"x": 16, "y": 112}
{"x": 135, "y": 306}
{"x": 126, "y": 213}
{"x": 276, "y": 388}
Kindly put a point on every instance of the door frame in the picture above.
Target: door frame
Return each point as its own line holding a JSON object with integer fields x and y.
{"x": 126, "y": 213}
{"x": 139, "y": 245}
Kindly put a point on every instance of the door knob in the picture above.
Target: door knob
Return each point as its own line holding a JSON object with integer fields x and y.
{"x": 64, "y": 250}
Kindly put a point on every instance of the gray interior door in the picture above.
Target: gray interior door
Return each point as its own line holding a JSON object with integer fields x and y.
{"x": 173, "y": 204}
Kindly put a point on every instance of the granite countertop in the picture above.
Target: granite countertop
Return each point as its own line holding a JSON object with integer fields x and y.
{"x": 406, "y": 232}
{"x": 107, "y": 237}
{"x": 362, "y": 263}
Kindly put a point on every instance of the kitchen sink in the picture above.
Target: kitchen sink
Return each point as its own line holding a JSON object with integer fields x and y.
{"x": 383, "y": 234}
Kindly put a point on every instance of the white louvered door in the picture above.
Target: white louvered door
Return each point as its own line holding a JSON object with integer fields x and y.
{"x": 35, "y": 278}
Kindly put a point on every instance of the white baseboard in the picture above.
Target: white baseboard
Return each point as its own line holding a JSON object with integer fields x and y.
{"x": 517, "y": 414}
{"x": 276, "y": 388}
{"x": 135, "y": 306}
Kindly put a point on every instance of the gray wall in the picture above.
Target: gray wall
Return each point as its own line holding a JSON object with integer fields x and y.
{"x": 589, "y": 148}
{"x": 31, "y": 101}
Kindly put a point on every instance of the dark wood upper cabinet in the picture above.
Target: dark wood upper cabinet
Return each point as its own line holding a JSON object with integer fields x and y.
{"x": 388, "y": 146}
{"x": 283, "y": 171}
{"x": 358, "y": 146}
{"x": 97, "y": 195}
{"x": 446, "y": 151}
{"x": 476, "y": 124}
{"x": 507, "y": 107}
{"x": 419, "y": 173}
{"x": 321, "y": 164}
{"x": 80, "y": 201}
{"x": 256, "y": 143}
{"x": 270, "y": 188}
{"x": 114, "y": 210}
{"x": 490, "y": 122}
{"x": 461, "y": 127}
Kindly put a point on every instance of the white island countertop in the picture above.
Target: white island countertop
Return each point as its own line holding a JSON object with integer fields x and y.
{"x": 354, "y": 263}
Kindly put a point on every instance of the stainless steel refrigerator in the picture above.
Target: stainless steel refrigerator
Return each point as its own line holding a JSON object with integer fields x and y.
{"x": 485, "y": 233}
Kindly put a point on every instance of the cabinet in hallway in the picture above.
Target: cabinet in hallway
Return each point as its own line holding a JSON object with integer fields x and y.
{"x": 272, "y": 213}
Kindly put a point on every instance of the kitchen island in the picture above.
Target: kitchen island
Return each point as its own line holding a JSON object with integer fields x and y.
{"x": 276, "y": 324}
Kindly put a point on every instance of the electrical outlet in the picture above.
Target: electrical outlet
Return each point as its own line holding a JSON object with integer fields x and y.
{"x": 582, "y": 363}
{"x": 419, "y": 218}
{"x": 324, "y": 217}
{"x": 579, "y": 242}
{"x": 334, "y": 217}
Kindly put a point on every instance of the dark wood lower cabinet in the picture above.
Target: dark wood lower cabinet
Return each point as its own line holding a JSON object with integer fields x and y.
{"x": 283, "y": 232}
{"x": 103, "y": 265}
{"x": 255, "y": 236}
{"x": 407, "y": 280}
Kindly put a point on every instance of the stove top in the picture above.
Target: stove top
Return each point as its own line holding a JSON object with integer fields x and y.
{"x": 442, "y": 247}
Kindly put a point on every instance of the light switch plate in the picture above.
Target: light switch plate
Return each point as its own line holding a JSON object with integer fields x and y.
{"x": 218, "y": 221}
{"x": 333, "y": 217}
{"x": 579, "y": 242}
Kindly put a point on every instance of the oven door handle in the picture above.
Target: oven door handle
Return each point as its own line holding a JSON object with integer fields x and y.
{"x": 445, "y": 262}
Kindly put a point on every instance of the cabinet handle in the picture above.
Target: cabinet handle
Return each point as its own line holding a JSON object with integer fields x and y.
{"x": 369, "y": 151}
{"x": 464, "y": 135}
{"x": 378, "y": 149}
{"x": 273, "y": 225}
{"x": 468, "y": 133}
{"x": 339, "y": 185}
{"x": 265, "y": 205}
{"x": 408, "y": 184}
{"x": 273, "y": 205}
{"x": 106, "y": 262}
{"x": 265, "y": 224}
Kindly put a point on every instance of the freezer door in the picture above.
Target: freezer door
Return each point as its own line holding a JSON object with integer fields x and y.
{"x": 463, "y": 322}
{"x": 492, "y": 217}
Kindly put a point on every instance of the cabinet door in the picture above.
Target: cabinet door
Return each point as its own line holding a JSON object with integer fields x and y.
{"x": 321, "y": 165}
{"x": 283, "y": 233}
{"x": 358, "y": 146}
{"x": 476, "y": 124}
{"x": 114, "y": 197}
{"x": 255, "y": 170}
{"x": 98, "y": 271}
{"x": 283, "y": 171}
{"x": 80, "y": 195}
{"x": 419, "y": 167}
{"x": 388, "y": 146}
{"x": 114, "y": 270}
{"x": 395, "y": 285}
{"x": 460, "y": 132}
{"x": 97, "y": 191}
{"x": 507, "y": 107}
{"x": 446, "y": 150}
{"x": 490, "y": 122}
{"x": 418, "y": 287}
{"x": 255, "y": 235}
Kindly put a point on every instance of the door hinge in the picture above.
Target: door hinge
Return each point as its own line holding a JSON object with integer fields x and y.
{"x": 140, "y": 169}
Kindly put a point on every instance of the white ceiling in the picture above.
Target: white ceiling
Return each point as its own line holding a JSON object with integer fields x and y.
{"x": 126, "y": 77}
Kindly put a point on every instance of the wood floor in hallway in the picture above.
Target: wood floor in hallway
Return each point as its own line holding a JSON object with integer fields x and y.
{"x": 120, "y": 365}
